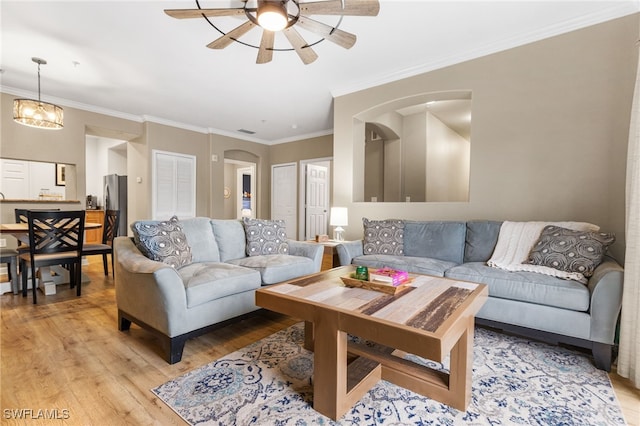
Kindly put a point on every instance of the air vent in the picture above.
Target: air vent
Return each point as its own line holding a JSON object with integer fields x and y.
{"x": 249, "y": 132}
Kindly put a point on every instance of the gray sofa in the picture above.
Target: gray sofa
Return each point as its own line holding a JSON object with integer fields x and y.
{"x": 527, "y": 303}
{"x": 218, "y": 285}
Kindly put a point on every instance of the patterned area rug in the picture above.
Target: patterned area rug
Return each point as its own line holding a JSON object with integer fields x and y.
{"x": 515, "y": 382}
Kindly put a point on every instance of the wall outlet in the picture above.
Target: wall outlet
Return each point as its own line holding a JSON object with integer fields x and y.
{"x": 3, "y": 242}
{"x": 407, "y": 199}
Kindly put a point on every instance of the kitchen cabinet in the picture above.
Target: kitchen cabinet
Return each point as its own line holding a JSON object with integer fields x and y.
{"x": 94, "y": 236}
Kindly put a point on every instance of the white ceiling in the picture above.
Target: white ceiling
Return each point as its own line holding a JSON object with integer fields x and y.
{"x": 129, "y": 59}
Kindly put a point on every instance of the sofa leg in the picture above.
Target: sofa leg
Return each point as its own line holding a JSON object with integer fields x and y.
{"x": 173, "y": 347}
{"x": 123, "y": 323}
{"x": 602, "y": 356}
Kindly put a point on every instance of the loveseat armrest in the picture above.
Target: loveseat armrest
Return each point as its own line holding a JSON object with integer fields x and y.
{"x": 348, "y": 250}
{"x": 150, "y": 291}
{"x": 605, "y": 287}
{"x": 311, "y": 250}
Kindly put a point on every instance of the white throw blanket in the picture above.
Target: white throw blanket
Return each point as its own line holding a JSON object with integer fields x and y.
{"x": 516, "y": 239}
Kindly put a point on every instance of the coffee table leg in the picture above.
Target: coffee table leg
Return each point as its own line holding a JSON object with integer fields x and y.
{"x": 308, "y": 335}
{"x": 453, "y": 389}
{"x": 329, "y": 368}
{"x": 461, "y": 369}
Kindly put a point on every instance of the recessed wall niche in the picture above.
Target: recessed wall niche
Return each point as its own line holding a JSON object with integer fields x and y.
{"x": 414, "y": 149}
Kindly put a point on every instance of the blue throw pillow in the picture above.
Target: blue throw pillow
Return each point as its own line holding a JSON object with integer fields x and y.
{"x": 383, "y": 236}
{"x": 265, "y": 237}
{"x": 163, "y": 241}
{"x": 570, "y": 251}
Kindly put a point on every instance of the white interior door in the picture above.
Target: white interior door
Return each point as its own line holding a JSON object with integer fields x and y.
{"x": 173, "y": 185}
{"x": 317, "y": 200}
{"x": 283, "y": 196}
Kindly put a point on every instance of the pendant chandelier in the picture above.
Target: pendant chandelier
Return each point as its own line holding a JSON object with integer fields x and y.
{"x": 37, "y": 113}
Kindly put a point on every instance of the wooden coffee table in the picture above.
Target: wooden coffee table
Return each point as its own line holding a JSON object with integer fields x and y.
{"x": 432, "y": 319}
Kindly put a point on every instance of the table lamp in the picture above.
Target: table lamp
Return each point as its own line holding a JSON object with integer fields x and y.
{"x": 339, "y": 218}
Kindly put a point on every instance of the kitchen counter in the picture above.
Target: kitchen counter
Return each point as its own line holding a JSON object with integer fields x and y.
{"x": 32, "y": 201}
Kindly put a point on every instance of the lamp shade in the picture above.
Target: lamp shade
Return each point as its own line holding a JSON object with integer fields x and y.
{"x": 339, "y": 216}
{"x": 37, "y": 114}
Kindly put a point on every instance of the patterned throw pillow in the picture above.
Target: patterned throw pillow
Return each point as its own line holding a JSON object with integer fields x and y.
{"x": 265, "y": 236}
{"x": 383, "y": 236}
{"x": 570, "y": 251}
{"x": 163, "y": 241}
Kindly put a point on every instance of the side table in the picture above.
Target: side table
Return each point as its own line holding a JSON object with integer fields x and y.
{"x": 330, "y": 257}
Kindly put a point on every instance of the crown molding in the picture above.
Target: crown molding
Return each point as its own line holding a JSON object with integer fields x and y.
{"x": 616, "y": 10}
{"x": 305, "y": 136}
{"x": 71, "y": 104}
{"x": 171, "y": 123}
{"x": 158, "y": 120}
{"x": 238, "y": 135}
{"x": 131, "y": 117}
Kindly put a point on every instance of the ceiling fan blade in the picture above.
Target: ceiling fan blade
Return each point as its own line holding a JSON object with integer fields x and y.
{"x": 334, "y": 7}
{"x": 197, "y": 13}
{"x": 228, "y": 38}
{"x": 265, "y": 52}
{"x": 339, "y": 37}
{"x": 306, "y": 53}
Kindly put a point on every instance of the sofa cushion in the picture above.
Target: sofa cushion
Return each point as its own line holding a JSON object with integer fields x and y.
{"x": 436, "y": 240}
{"x": 529, "y": 287}
{"x": 276, "y": 268}
{"x": 207, "y": 281}
{"x": 230, "y": 238}
{"x": 480, "y": 240}
{"x": 265, "y": 237}
{"x": 163, "y": 241}
{"x": 418, "y": 265}
{"x": 569, "y": 250}
{"x": 383, "y": 236}
{"x": 199, "y": 233}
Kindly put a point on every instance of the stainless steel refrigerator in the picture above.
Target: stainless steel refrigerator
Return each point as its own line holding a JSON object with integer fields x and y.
{"x": 115, "y": 198}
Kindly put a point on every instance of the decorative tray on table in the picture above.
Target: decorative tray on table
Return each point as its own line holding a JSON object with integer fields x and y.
{"x": 383, "y": 286}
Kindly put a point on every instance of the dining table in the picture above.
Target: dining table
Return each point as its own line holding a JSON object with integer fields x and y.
{"x": 50, "y": 276}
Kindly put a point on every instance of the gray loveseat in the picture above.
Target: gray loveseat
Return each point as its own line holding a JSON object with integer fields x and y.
{"x": 218, "y": 285}
{"x": 528, "y": 303}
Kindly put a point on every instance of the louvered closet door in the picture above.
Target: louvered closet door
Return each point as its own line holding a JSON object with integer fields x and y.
{"x": 174, "y": 185}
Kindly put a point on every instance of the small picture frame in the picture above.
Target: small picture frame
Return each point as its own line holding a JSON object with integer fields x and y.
{"x": 60, "y": 174}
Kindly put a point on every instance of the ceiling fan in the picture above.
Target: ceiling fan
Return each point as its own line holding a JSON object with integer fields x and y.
{"x": 284, "y": 15}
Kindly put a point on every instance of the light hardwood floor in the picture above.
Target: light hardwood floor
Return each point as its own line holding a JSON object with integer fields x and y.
{"x": 66, "y": 354}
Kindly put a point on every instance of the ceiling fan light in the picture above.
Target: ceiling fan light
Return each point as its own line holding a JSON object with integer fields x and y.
{"x": 272, "y": 16}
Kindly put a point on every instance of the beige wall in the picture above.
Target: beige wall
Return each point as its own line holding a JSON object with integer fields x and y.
{"x": 68, "y": 146}
{"x": 306, "y": 149}
{"x": 550, "y": 128}
{"x": 239, "y": 150}
{"x": 172, "y": 139}
{"x": 447, "y": 162}
{"x": 549, "y": 132}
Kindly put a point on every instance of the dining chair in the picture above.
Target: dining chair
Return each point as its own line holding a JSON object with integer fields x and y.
{"x": 110, "y": 231}
{"x": 10, "y": 257}
{"x": 55, "y": 238}
{"x": 21, "y": 214}
{"x": 23, "y": 245}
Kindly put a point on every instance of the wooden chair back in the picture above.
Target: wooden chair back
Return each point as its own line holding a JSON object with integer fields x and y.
{"x": 55, "y": 231}
{"x": 111, "y": 224}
